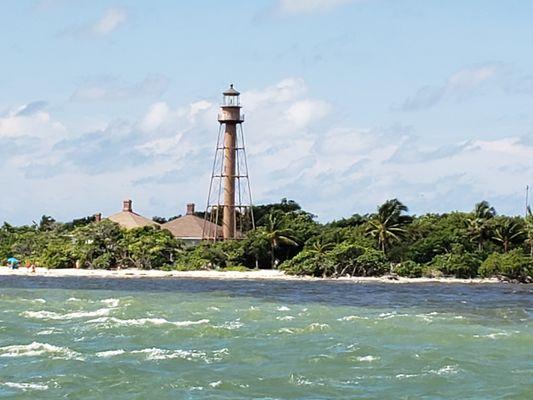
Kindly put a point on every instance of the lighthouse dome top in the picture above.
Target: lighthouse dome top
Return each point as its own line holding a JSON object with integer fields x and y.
{"x": 231, "y": 91}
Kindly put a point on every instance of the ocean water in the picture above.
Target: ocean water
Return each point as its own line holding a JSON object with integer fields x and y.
{"x": 72, "y": 338}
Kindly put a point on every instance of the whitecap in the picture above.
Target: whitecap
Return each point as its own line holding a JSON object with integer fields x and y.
{"x": 113, "y": 303}
{"x": 38, "y": 349}
{"x": 231, "y": 325}
{"x": 56, "y": 316}
{"x": 25, "y": 386}
{"x": 493, "y": 335}
{"x": 316, "y": 326}
{"x": 144, "y": 321}
{"x": 110, "y": 353}
{"x": 368, "y": 358}
{"x": 73, "y": 299}
{"x": 41, "y": 301}
{"x": 405, "y": 376}
{"x": 215, "y": 384}
{"x": 161, "y": 354}
{"x": 285, "y": 330}
{"x": 212, "y": 308}
{"x": 283, "y": 308}
{"x": 446, "y": 370}
{"x": 351, "y": 318}
{"x": 285, "y": 318}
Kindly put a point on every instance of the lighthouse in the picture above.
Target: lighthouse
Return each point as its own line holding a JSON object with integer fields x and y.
{"x": 229, "y": 200}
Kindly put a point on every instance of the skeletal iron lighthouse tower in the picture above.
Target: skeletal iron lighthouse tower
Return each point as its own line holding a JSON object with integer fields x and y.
{"x": 229, "y": 202}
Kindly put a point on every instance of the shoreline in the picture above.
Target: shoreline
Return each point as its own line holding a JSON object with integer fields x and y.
{"x": 273, "y": 275}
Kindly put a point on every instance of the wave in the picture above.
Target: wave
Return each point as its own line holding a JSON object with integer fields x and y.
{"x": 144, "y": 321}
{"x": 110, "y": 353}
{"x": 113, "y": 303}
{"x": 25, "y": 386}
{"x": 285, "y": 318}
{"x": 368, "y": 358}
{"x": 283, "y": 308}
{"x": 35, "y": 349}
{"x": 73, "y": 315}
{"x": 351, "y": 318}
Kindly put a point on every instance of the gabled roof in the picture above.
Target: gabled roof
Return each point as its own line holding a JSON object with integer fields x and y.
{"x": 192, "y": 227}
{"x": 130, "y": 220}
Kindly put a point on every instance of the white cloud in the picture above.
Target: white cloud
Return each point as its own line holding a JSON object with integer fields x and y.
{"x": 155, "y": 116}
{"x": 39, "y": 124}
{"x": 163, "y": 159}
{"x": 304, "y": 112}
{"x": 110, "y": 21}
{"x": 291, "y": 7}
{"x": 461, "y": 83}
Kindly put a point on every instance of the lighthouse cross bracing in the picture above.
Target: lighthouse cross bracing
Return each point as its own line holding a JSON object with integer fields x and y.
{"x": 229, "y": 201}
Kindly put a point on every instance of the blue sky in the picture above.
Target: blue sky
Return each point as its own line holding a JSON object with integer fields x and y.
{"x": 347, "y": 102}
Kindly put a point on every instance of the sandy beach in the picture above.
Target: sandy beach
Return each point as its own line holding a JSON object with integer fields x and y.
{"x": 213, "y": 274}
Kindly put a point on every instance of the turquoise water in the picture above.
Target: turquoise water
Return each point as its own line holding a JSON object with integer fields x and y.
{"x": 203, "y": 339}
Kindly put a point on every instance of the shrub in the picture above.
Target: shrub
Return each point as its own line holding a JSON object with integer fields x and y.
{"x": 409, "y": 269}
{"x": 512, "y": 265}
{"x": 458, "y": 263}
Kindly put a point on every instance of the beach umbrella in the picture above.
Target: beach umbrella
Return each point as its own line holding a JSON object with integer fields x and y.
{"x": 12, "y": 260}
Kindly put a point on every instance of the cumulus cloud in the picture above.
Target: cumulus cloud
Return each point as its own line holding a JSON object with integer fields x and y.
{"x": 291, "y": 7}
{"x": 460, "y": 84}
{"x": 163, "y": 157}
{"x": 111, "y": 88}
{"x": 110, "y": 21}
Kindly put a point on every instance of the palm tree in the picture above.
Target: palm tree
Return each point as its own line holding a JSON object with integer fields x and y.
{"x": 388, "y": 224}
{"x": 506, "y": 233}
{"x": 529, "y": 230}
{"x": 319, "y": 250}
{"x": 276, "y": 236}
{"x": 479, "y": 228}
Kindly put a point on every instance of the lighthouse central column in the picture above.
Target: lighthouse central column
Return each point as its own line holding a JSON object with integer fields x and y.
{"x": 228, "y": 223}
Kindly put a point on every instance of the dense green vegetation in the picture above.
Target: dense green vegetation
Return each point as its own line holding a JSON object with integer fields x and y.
{"x": 389, "y": 241}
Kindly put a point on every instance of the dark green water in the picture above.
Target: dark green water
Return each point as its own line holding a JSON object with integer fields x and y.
{"x": 203, "y": 339}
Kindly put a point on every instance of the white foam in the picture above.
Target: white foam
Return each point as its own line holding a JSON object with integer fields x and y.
{"x": 368, "y": 358}
{"x": 493, "y": 335}
{"x": 73, "y": 315}
{"x": 286, "y": 330}
{"x": 231, "y": 325}
{"x": 446, "y": 370}
{"x": 215, "y": 384}
{"x": 35, "y": 349}
{"x": 316, "y": 326}
{"x": 405, "y": 376}
{"x": 161, "y": 354}
{"x": 73, "y": 299}
{"x": 111, "y": 302}
{"x": 110, "y": 353}
{"x": 285, "y": 318}
{"x": 351, "y": 318}
{"x": 213, "y": 308}
{"x": 144, "y": 321}
{"x": 283, "y": 308}
{"x": 24, "y": 386}
{"x": 41, "y": 301}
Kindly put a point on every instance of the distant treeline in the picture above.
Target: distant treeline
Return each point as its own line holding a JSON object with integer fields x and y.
{"x": 390, "y": 241}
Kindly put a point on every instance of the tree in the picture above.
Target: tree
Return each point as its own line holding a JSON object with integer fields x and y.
{"x": 388, "y": 225}
{"x": 528, "y": 222}
{"x": 479, "y": 228}
{"x": 506, "y": 232}
{"x": 276, "y": 235}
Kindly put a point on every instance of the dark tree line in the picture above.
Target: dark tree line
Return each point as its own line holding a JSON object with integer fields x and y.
{"x": 389, "y": 241}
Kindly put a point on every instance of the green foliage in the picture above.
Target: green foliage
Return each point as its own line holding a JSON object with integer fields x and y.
{"x": 458, "y": 263}
{"x": 343, "y": 259}
{"x": 388, "y": 224}
{"x": 409, "y": 269}
{"x": 453, "y": 244}
{"x": 511, "y": 265}
{"x": 149, "y": 248}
